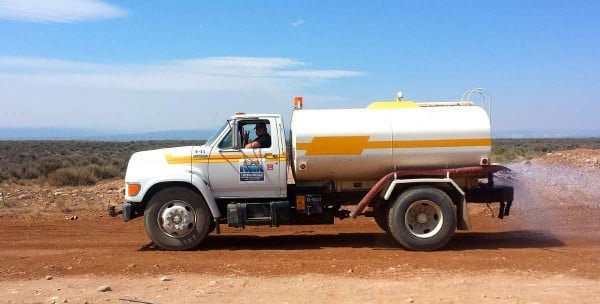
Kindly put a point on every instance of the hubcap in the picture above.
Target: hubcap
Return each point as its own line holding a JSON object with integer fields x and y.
{"x": 423, "y": 219}
{"x": 176, "y": 219}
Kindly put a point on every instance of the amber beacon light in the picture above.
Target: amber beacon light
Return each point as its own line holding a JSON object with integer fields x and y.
{"x": 298, "y": 102}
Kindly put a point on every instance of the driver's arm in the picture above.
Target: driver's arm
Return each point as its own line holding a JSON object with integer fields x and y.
{"x": 253, "y": 145}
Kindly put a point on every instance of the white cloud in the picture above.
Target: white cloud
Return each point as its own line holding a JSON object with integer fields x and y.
{"x": 322, "y": 74}
{"x": 297, "y": 23}
{"x": 205, "y": 74}
{"x": 178, "y": 94}
{"x": 65, "y": 11}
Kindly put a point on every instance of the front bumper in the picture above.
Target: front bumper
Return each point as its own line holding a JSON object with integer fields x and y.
{"x": 129, "y": 210}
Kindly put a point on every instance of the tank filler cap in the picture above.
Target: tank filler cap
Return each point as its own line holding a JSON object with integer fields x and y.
{"x": 399, "y": 96}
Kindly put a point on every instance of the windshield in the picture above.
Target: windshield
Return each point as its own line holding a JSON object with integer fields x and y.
{"x": 214, "y": 137}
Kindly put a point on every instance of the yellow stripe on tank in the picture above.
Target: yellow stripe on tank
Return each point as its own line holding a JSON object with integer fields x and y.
{"x": 355, "y": 145}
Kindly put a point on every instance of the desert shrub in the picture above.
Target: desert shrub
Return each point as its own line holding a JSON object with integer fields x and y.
{"x": 105, "y": 172}
{"x": 3, "y": 172}
{"x": 14, "y": 171}
{"x": 30, "y": 172}
{"x": 72, "y": 177}
{"x": 49, "y": 164}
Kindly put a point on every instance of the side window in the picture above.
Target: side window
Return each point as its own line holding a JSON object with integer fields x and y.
{"x": 255, "y": 134}
{"x": 227, "y": 141}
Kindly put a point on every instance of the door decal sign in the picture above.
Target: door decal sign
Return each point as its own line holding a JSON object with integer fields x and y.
{"x": 252, "y": 170}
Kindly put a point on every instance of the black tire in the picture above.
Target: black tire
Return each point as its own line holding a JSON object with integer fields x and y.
{"x": 381, "y": 215}
{"x": 177, "y": 218}
{"x": 422, "y": 218}
{"x": 212, "y": 227}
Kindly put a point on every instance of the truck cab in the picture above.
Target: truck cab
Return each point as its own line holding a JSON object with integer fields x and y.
{"x": 234, "y": 171}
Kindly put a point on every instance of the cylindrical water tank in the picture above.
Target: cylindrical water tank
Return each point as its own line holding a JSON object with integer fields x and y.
{"x": 365, "y": 144}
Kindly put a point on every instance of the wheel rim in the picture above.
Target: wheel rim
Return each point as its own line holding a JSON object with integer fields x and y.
{"x": 176, "y": 219}
{"x": 423, "y": 219}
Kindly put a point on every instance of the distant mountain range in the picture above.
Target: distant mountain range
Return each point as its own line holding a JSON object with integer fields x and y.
{"x": 91, "y": 134}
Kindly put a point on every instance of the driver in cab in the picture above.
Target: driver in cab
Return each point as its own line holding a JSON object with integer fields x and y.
{"x": 262, "y": 140}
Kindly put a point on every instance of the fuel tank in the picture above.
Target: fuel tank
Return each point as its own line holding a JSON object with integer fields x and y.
{"x": 365, "y": 144}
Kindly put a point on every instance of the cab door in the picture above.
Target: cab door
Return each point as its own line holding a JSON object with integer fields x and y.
{"x": 238, "y": 172}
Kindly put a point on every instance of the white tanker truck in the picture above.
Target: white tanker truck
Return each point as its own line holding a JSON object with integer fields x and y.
{"x": 411, "y": 166}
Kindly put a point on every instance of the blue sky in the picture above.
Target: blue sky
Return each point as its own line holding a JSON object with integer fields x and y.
{"x": 132, "y": 66}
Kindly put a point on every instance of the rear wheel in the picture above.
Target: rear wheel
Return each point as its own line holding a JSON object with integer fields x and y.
{"x": 422, "y": 218}
{"x": 177, "y": 218}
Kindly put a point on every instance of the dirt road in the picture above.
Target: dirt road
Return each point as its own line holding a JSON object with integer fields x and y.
{"x": 546, "y": 251}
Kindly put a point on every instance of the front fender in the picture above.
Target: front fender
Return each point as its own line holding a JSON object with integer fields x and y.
{"x": 203, "y": 187}
{"x": 196, "y": 181}
{"x": 157, "y": 168}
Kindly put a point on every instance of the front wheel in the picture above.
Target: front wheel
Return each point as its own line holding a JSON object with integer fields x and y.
{"x": 422, "y": 218}
{"x": 177, "y": 218}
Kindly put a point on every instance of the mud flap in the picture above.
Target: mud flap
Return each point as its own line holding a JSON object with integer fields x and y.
{"x": 462, "y": 212}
